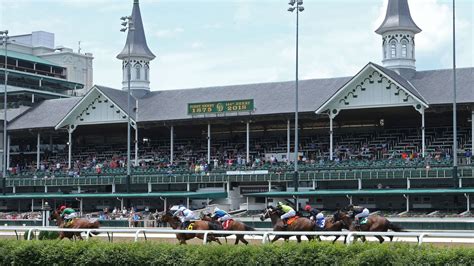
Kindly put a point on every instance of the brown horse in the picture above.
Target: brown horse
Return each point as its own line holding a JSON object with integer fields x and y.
{"x": 300, "y": 224}
{"x": 234, "y": 225}
{"x": 332, "y": 225}
{"x": 375, "y": 223}
{"x": 175, "y": 223}
{"x": 75, "y": 224}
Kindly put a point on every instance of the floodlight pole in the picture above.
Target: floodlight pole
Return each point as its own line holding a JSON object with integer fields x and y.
{"x": 128, "y": 25}
{"x": 455, "y": 140}
{"x": 4, "y": 168}
{"x": 298, "y": 7}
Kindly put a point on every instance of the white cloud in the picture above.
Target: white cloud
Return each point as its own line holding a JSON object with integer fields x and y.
{"x": 167, "y": 33}
{"x": 197, "y": 45}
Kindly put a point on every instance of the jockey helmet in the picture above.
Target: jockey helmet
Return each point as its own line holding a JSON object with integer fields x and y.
{"x": 280, "y": 203}
{"x": 62, "y": 208}
{"x": 216, "y": 209}
{"x": 307, "y": 208}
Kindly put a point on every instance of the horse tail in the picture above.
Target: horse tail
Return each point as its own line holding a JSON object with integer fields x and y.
{"x": 395, "y": 228}
{"x": 248, "y": 228}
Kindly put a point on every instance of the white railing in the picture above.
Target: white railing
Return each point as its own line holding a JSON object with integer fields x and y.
{"x": 350, "y": 235}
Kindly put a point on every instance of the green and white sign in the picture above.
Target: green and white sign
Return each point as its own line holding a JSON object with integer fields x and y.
{"x": 220, "y": 107}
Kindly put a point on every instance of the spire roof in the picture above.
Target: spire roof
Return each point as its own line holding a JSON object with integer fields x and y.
{"x": 398, "y": 17}
{"x": 136, "y": 38}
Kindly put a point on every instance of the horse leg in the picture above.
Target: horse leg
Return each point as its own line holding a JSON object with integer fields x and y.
{"x": 298, "y": 239}
{"x": 391, "y": 238}
{"x": 243, "y": 240}
{"x": 335, "y": 239}
{"x": 381, "y": 240}
{"x": 79, "y": 236}
{"x": 237, "y": 238}
{"x": 277, "y": 237}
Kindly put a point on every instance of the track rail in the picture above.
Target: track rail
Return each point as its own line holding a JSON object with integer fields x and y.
{"x": 265, "y": 235}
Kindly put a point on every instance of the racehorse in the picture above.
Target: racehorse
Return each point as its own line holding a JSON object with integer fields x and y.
{"x": 75, "y": 224}
{"x": 332, "y": 225}
{"x": 234, "y": 225}
{"x": 375, "y": 223}
{"x": 300, "y": 224}
{"x": 175, "y": 223}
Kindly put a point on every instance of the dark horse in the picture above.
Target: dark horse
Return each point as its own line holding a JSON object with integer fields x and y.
{"x": 75, "y": 224}
{"x": 331, "y": 224}
{"x": 301, "y": 224}
{"x": 234, "y": 225}
{"x": 175, "y": 223}
{"x": 375, "y": 223}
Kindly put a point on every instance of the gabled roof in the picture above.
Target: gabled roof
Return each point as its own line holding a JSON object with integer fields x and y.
{"x": 398, "y": 17}
{"x": 47, "y": 114}
{"x": 13, "y": 113}
{"x": 136, "y": 38}
{"x": 393, "y": 77}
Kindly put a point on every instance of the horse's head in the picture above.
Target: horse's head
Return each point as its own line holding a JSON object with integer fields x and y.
{"x": 55, "y": 215}
{"x": 163, "y": 217}
{"x": 343, "y": 217}
{"x": 268, "y": 213}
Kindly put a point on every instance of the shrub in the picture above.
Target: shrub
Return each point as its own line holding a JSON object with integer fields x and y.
{"x": 97, "y": 252}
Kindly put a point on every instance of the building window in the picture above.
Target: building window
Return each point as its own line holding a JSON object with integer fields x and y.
{"x": 137, "y": 72}
{"x": 404, "y": 49}
{"x": 147, "y": 71}
{"x": 393, "y": 49}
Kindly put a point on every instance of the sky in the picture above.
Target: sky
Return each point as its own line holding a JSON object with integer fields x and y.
{"x": 202, "y": 43}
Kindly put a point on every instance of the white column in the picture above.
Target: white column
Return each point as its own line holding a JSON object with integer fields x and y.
{"x": 113, "y": 188}
{"x": 149, "y": 188}
{"x": 14, "y": 190}
{"x": 248, "y": 143}
{"x": 172, "y": 144}
{"x": 9, "y": 142}
{"x": 288, "y": 140}
{"x": 69, "y": 148}
{"x": 136, "y": 144}
{"x": 330, "y": 138}
{"x": 38, "y": 143}
{"x": 188, "y": 186}
{"x": 408, "y": 183}
{"x": 45, "y": 189}
{"x": 269, "y": 186}
{"x": 165, "y": 204}
{"x": 208, "y": 143}
{"x": 423, "y": 142}
{"x": 359, "y": 184}
{"x": 80, "y": 207}
{"x": 472, "y": 130}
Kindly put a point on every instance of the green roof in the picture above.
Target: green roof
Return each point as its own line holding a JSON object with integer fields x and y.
{"x": 28, "y": 57}
{"x": 178, "y": 194}
{"x": 362, "y": 192}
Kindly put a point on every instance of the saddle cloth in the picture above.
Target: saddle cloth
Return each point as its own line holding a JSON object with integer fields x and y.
{"x": 364, "y": 220}
{"x": 292, "y": 219}
{"x": 226, "y": 224}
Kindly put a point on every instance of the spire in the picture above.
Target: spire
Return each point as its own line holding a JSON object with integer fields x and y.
{"x": 136, "y": 38}
{"x": 398, "y": 18}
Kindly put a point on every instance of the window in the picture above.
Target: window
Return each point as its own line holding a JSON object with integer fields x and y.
{"x": 404, "y": 49}
{"x": 147, "y": 70}
{"x": 393, "y": 49}
{"x": 137, "y": 72}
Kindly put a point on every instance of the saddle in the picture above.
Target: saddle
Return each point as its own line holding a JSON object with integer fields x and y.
{"x": 363, "y": 221}
{"x": 292, "y": 219}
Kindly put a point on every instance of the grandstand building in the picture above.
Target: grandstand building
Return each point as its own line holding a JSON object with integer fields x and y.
{"x": 382, "y": 138}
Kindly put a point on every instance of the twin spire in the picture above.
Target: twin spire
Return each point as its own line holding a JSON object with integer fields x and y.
{"x": 139, "y": 58}
{"x": 398, "y": 38}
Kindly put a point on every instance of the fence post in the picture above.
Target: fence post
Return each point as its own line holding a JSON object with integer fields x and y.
{"x": 88, "y": 234}
{"x": 264, "y": 238}
{"x": 136, "y": 235}
{"x": 204, "y": 239}
{"x": 350, "y": 236}
{"x": 29, "y": 234}
{"x": 420, "y": 239}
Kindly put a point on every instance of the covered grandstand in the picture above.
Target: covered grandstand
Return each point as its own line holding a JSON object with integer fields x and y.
{"x": 384, "y": 133}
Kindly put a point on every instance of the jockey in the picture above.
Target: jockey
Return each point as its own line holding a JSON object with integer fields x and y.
{"x": 221, "y": 215}
{"x": 288, "y": 213}
{"x": 68, "y": 214}
{"x": 316, "y": 216}
{"x": 358, "y": 212}
{"x": 185, "y": 215}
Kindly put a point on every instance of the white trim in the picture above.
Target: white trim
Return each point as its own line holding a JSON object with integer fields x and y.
{"x": 94, "y": 88}
{"x": 325, "y": 105}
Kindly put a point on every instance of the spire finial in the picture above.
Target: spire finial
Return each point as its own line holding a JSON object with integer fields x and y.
{"x": 398, "y": 17}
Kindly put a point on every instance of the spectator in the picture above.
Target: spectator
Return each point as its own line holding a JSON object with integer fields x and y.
{"x": 468, "y": 155}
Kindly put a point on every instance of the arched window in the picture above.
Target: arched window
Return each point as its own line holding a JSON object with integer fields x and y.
{"x": 393, "y": 49}
{"x": 404, "y": 49}
{"x": 147, "y": 71}
{"x": 137, "y": 72}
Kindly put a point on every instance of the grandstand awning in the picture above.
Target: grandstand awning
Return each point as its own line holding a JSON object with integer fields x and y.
{"x": 367, "y": 192}
{"x": 178, "y": 194}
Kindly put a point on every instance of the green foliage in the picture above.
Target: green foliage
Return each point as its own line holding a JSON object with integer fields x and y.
{"x": 54, "y": 252}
